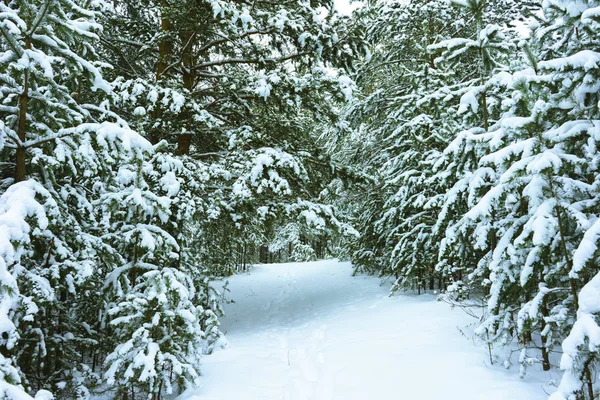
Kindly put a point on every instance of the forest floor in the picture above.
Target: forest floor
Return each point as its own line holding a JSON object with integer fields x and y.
{"x": 311, "y": 331}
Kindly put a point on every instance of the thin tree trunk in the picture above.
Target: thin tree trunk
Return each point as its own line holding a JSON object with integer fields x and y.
{"x": 94, "y": 360}
{"x": 545, "y": 355}
{"x": 164, "y": 49}
{"x": 245, "y": 257}
{"x": 486, "y": 122}
{"x": 589, "y": 383}
{"x": 564, "y": 247}
{"x": 184, "y": 140}
{"x": 586, "y": 377}
{"x": 21, "y": 154}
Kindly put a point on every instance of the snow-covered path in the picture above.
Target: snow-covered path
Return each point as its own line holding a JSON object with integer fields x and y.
{"x": 311, "y": 331}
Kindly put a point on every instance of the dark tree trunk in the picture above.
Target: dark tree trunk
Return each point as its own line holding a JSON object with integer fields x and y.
{"x": 262, "y": 258}
{"x": 21, "y": 154}
{"x": 164, "y": 49}
{"x": 545, "y": 355}
{"x": 589, "y": 382}
{"x": 184, "y": 140}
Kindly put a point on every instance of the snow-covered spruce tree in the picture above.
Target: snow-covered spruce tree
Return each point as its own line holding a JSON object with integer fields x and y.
{"x": 521, "y": 207}
{"x": 580, "y": 348}
{"x": 239, "y": 90}
{"x": 158, "y": 308}
{"x": 541, "y": 199}
{"x": 19, "y": 212}
{"x": 427, "y": 56}
{"x": 397, "y": 131}
{"x": 58, "y": 145}
{"x": 569, "y": 32}
{"x": 417, "y": 128}
{"x": 485, "y": 50}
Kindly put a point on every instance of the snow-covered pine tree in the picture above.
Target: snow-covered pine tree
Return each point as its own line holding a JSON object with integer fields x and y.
{"x": 57, "y": 140}
{"x": 542, "y": 156}
{"x": 429, "y": 62}
{"x": 482, "y": 50}
{"x": 521, "y": 206}
{"x": 48, "y": 130}
{"x": 398, "y": 80}
{"x": 580, "y": 347}
{"x": 161, "y": 312}
{"x": 569, "y": 34}
{"x": 156, "y": 323}
{"x": 256, "y": 84}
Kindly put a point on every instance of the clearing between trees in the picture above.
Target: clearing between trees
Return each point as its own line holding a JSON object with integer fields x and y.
{"x": 312, "y": 331}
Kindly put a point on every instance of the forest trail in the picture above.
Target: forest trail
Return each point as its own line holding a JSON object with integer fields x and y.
{"x": 311, "y": 331}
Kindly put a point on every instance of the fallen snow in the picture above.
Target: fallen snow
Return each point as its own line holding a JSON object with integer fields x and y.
{"x": 311, "y": 331}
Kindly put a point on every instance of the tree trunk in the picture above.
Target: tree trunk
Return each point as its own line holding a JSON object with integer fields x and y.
{"x": 590, "y": 382}
{"x": 263, "y": 254}
{"x": 184, "y": 140}
{"x": 245, "y": 256}
{"x": 21, "y": 154}
{"x": 486, "y": 118}
{"x": 545, "y": 355}
{"x": 564, "y": 247}
{"x": 164, "y": 49}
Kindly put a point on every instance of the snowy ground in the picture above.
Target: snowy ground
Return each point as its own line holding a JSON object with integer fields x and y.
{"x": 310, "y": 331}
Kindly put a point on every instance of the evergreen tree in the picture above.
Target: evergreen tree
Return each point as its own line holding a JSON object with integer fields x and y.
{"x": 257, "y": 82}
{"x": 56, "y": 139}
{"x": 539, "y": 160}
{"x": 159, "y": 305}
{"x": 428, "y": 78}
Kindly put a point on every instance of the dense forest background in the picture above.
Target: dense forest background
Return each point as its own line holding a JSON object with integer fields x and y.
{"x": 148, "y": 148}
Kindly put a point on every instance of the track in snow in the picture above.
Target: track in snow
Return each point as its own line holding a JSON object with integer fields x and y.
{"x": 311, "y": 331}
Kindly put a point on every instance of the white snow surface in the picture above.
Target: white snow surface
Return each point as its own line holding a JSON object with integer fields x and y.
{"x": 311, "y": 331}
